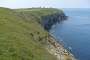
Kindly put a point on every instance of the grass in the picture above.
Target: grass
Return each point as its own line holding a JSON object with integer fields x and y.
{"x": 37, "y": 13}
{"x": 21, "y": 36}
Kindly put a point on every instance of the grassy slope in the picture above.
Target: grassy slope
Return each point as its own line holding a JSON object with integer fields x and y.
{"x": 21, "y": 36}
{"x": 37, "y": 13}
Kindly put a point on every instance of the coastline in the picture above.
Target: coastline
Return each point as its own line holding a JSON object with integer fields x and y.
{"x": 55, "y": 47}
{"x": 28, "y": 39}
{"x": 47, "y": 18}
{"x": 58, "y": 50}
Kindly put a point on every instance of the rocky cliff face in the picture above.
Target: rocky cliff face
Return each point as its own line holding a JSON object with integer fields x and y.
{"x": 55, "y": 48}
{"x": 49, "y": 20}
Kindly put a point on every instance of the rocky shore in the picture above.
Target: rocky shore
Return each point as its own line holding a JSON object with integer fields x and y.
{"x": 54, "y": 47}
{"x": 57, "y": 49}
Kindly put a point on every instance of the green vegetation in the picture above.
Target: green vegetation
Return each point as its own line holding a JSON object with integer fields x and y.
{"x": 21, "y": 36}
{"x": 37, "y": 13}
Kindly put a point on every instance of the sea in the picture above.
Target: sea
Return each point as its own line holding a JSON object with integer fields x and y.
{"x": 74, "y": 32}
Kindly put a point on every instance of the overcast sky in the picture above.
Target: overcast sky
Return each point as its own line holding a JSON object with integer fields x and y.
{"x": 46, "y": 3}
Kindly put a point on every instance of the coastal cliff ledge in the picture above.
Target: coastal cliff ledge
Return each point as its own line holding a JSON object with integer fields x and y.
{"x": 24, "y": 34}
{"x": 49, "y": 20}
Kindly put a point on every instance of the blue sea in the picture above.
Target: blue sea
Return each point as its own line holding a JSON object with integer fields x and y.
{"x": 75, "y": 32}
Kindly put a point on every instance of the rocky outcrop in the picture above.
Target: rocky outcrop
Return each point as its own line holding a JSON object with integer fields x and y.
{"x": 49, "y": 20}
{"x": 57, "y": 49}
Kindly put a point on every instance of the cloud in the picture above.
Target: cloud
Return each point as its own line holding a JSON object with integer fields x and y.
{"x": 46, "y": 3}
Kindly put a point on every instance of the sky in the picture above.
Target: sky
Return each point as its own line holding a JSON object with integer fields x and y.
{"x": 45, "y": 3}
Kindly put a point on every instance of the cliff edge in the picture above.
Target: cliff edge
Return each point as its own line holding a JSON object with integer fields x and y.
{"x": 24, "y": 33}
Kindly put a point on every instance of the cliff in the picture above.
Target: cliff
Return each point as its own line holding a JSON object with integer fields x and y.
{"x": 50, "y": 20}
{"x": 23, "y": 35}
{"x": 45, "y": 16}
